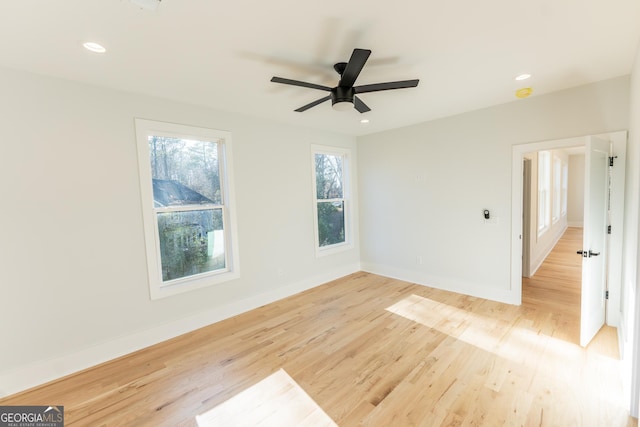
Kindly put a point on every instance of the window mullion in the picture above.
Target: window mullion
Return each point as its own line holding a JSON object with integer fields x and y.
{"x": 185, "y": 208}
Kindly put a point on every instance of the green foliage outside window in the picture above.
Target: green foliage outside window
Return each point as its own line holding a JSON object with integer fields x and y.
{"x": 330, "y": 223}
{"x": 188, "y": 243}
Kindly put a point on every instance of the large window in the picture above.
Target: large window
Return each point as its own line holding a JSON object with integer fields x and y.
{"x": 331, "y": 199}
{"x": 186, "y": 189}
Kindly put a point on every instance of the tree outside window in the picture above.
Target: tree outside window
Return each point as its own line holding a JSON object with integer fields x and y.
{"x": 188, "y": 205}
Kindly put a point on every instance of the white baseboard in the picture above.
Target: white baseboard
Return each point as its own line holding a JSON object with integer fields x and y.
{"x": 578, "y": 224}
{"x": 421, "y": 278}
{"x": 626, "y": 356}
{"x": 45, "y": 371}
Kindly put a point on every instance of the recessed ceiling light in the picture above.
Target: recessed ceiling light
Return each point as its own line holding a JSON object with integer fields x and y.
{"x": 524, "y": 76}
{"x": 364, "y": 121}
{"x": 94, "y": 47}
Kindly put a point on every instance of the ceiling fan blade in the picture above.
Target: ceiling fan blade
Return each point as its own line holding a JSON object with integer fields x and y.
{"x": 299, "y": 83}
{"x": 386, "y": 86}
{"x": 354, "y": 66}
{"x": 313, "y": 104}
{"x": 360, "y": 106}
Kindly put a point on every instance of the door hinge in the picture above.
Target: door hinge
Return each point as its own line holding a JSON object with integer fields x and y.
{"x": 606, "y": 294}
{"x": 608, "y": 229}
{"x": 611, "y": 160}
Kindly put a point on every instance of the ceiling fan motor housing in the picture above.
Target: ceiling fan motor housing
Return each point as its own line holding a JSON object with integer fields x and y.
{"x": 342, "y": 94}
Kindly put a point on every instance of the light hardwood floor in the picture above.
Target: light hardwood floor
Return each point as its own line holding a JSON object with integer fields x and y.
{"x": 371, "y": 351}
{"x": 555, "y": 287}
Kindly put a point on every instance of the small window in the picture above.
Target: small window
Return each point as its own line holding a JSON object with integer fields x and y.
{"x": 188, "y": 214}
{"x": 331, "y": 199}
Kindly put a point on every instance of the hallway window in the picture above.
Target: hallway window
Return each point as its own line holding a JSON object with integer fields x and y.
{"x": 557, "y": 189}
{"x": 544, "y": 191}
{"x": 565, "y": 187}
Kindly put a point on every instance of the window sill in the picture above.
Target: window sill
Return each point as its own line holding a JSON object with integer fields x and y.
{"x": 162, "y": 291}
{"x": 333, "y": 249}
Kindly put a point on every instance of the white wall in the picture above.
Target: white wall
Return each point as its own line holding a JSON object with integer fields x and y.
{"x": 72, "y": 258}
{"x": 72, "y": 267}
{"x": 575, "y": 199}
{"x": 423, "y": 187}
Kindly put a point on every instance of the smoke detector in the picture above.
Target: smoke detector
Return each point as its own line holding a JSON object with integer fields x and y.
{"x": 146, "y": 4}
{"x": 523, "y": 92}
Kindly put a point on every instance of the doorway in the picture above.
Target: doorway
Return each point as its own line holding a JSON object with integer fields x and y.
{"x": 552, "y": 233}
{"x": 547, "y": 211}
{"x": 616, "y": 202}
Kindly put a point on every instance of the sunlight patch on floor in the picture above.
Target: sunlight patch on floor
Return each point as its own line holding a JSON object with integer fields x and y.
{"x": 488, "y": 333}
{"x": 275, "y": 401}
{"x": 520, "y": 342}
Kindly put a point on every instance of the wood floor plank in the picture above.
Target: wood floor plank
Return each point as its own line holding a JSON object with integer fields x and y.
{"x": 370, "y": 351}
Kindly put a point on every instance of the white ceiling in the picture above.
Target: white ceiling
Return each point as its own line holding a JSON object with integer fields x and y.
{"x": 222, "y": 54}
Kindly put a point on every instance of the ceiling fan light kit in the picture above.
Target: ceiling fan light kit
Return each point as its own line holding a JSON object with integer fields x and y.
{"x": 343, "y": 96}
{"x": 342, "y": 105}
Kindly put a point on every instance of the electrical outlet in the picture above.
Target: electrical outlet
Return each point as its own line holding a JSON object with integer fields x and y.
{"x": 419, "y": 260}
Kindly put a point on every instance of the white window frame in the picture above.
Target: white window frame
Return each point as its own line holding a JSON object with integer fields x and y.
{"x": 157, "y": 287}
{"x": 345, "y": 153}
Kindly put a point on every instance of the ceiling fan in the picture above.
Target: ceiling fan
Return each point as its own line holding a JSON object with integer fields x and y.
{"x": 343, "y": 96}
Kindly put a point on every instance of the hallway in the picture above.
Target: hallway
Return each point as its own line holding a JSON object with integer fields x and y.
{"x": 555, "y": 288}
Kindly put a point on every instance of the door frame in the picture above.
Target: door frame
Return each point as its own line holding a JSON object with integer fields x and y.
{"x": 526, "y": 217}
{"x": 614, "y": 277}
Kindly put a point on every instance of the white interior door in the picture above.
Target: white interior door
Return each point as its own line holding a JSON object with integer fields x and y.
{"x": 594, "y": 239}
